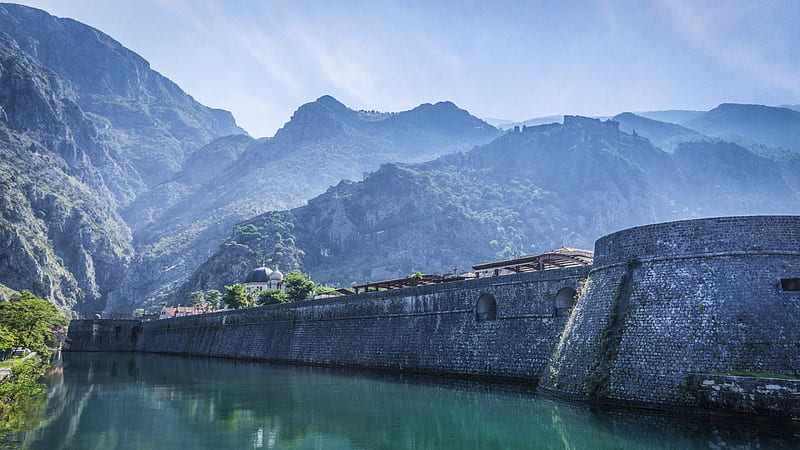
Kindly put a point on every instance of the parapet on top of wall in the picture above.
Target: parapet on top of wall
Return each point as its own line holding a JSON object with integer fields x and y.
{"x": 700, "y": 237}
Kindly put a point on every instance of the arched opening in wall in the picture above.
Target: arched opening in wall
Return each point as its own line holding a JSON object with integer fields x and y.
{"x": 565, "y": 300}
{"x": 486, "y": 308}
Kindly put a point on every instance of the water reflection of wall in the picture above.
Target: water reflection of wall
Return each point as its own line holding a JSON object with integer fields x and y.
{"x": 159, "y": 401}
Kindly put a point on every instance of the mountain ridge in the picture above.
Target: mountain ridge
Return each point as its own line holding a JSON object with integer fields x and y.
{"x": 525, "y": 192}
{"x": 320, "y": 134}
{"x": 751, "y": 124}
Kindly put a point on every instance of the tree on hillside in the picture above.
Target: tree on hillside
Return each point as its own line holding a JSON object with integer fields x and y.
{"x": 197, "y": 298}
{"x": 298, "y": 286}
{"x": 30, "y": 320}
{"x": 272, "y": 297}
{"x": 236, "y": 297}
{"x": 214, "y": 298}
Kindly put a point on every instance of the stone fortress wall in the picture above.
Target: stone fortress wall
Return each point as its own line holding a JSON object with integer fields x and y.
{"x": 433, "y": 329}
{"x": 103, "y": 335}
{"x": 661, "y": 304}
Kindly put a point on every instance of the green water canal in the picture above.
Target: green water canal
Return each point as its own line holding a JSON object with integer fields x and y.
{"x": 146, "y": 401}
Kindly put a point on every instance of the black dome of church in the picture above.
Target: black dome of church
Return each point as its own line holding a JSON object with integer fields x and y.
{"x": 259, "y": 275}
{"x": 263, "y": 278}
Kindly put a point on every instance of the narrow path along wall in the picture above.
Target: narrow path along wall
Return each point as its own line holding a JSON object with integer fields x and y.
{"x": 669, "y": 300}
{"x": 499, "y": 327}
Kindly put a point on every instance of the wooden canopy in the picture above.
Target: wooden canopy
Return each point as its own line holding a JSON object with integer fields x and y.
{"x": 399, "y": 283}
{"x": 553, "y": 259}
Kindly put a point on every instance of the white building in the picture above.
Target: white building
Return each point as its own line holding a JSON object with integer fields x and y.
{"x": 263, "y": 278}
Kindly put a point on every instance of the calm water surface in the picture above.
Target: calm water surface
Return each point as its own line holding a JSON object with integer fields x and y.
{"x": 143, "y": 401}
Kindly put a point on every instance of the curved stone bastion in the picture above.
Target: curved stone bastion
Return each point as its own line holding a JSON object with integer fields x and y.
{"x": 667, "y": 301}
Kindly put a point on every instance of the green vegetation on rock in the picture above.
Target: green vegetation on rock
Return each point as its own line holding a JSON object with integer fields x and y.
{"x": 22, "y": 397}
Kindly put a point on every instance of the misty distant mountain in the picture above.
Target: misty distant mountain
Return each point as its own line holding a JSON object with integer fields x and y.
{"x": 526, "y": 192}
{"x": 676, "y": 116}
{"x": 664, "y": 135}
{"x": 510, "y": 124}
{"x": 497, "y": 123}
{"x": 751, "y": 124}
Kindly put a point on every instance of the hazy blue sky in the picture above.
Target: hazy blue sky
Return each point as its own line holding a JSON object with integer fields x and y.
{"x": 515, "y": 60}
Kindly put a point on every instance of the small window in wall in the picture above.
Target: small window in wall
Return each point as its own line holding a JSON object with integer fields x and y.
{"x": 565, "y": 300}
{"x": 790, "y": 284}
{"x": 486, "y": 309}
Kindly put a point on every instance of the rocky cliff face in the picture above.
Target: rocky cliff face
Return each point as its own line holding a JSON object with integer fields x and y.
{"x": 61, "y": 185}
{"x": 85, "y": 125}
{"x": 153, "y": 122}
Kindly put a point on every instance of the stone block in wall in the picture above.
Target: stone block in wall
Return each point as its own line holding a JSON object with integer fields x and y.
{"x": 750, "y": 395}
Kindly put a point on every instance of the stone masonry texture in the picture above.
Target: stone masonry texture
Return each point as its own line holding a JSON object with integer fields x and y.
{"x": 427, "y": 329}
{"x": 704, "y": 297}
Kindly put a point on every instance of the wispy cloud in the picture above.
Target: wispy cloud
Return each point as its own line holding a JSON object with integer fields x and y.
{"x": 715, "y": 29}
{"x": 269, "y": 55}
